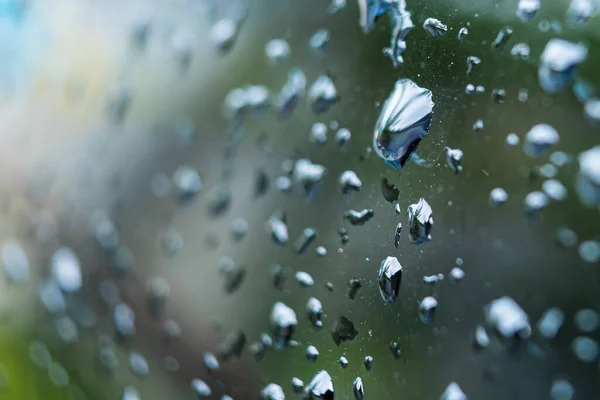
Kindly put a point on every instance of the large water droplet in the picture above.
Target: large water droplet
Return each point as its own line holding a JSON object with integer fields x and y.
{"x": 420, "y": 222}
{"x": 390, "y": 278}
{"x": 320, "y": 387}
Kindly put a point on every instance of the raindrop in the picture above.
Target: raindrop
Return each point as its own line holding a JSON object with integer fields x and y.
{"x": 358, "y": 389}
{"x": 66, "y": 328}
{"x": 283, "y": 184}
{"x": 480, "y": 89}
{"x": 566, "y": 237}
{"x": 585, "y": 349}
{"x": 66, "y": 270}
{"x": 320, "y": 39}
{"x": 343, "y": 330}
{"x": 435, "y": 27}
{"x": 469, "y": 89}
{"x": 404, "y": 120}
{"x": 210, "y": 362}
{"x": 520, "y": 51}
{"x": 592, "y": 111}
{"x": 587, "y": 320}
{"x": 171, "y": 364}
{"x": 457, "y": 274}
{"x": 427, "y": 308}
{"x": 368, "y": 362}
{"x": 172, "y": 242}
{"x": 397, "y": 235}
{"x": 321, "y": 251}
{"x": 124, "y": 320}
{"x": 503, "y": 37}
{"x": 453, "y": 392}
{"x": 526, "y": 9}
{"x": 138, "y": 364}
{"x": 159, "y": 291}
{"x": 314, "y": 309}
{"x": 558, "y": 62}
{"x": 297, "y": 385}
{"x": 512, "y": 140}
{"x": 283, "y": 324}
{"x": 535, "y": 202}
{"x": 551, "y": 322}
{"x": 342, "y": 137}
{"x": 588, "y": 178}
{"x": 309, "y": 175}
{"x": 187, "y": 181}
{"x": 239, "y": 228}
{"x": 304, "y": 279}
{"x": 311, "y": 353}
{"x": 478, "y": 125}
{"x": 508, "y": 318}
{"x": 562, "y": 390}
{"x": 320, "y": 387}
{"x": 278, "y": 228}
{"x": 51, "y": 296}
{"x": 277, "y": 276}
{"x": 462, "y": 33}
{"x": 277, "y": 50}
{"x": 589, "y": 251}
{"x": 554, "y": 189}
{"x": 498, "y": 95}
{"x": 481, "y": 339}
{"x": 580, "y": 11}
{"x": 306, "y": 238}
{"x": 218, "y": 200}
{"x": 389, "y": 190}
{"x": 291, "y": 92}
{"x": 539, "y": 139}
{"x": 420, "y": 222}
{"x": 223, "y": 33}
{"x": 322, "y": 94}
{"x": 359, "y": 217}
{"x": 390, "y": 278}
{"x": 16, "y": 264}
{"x": 454, "y": 159}
{"x": 57, "y": 374}
{"x": 523, "y": 95}
{"x": 233, "y": 345}
{"x": 172, "y": 329}
{"x": 201, "y": 389}
{"x": 272, "y": 392}
{"x": 131, "y": 393}
{"x": 106, "y": 233}
{"x": 498, "y": 197}
{"x": 472, "y": 61}
{"x": 353, "y": 286}
{"x": 343, "y": 362}
{"x": 350, "y": 182}
{"x": 39, "y": 354}
{"x": 257, "y": 98}
{"x": 318, "y": 133}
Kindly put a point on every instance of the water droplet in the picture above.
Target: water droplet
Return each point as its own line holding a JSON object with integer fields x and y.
{"x": 257, "y": 98}
{"x": 566, "y": 237}
{"x": 588, "y": 178}
{"x": 66, "y": 270}
{"x": 321, "y": 251}
{"x": 481, "y": 339}
{"x": 498, "y": 197}
{"x": 589, "y": 251}
{"x": 390, "y": 278}
{"x": 478, "y": 125}
{"x": 277, "y": 50}
{"x": 580, "y": 11}
{"x": 297, "y": 385}
{"x": 454, "y": 159}
{"x": 278, "y": 228}
{"x": 368, "y": 362}
{"x": 558, "y": 62}
{"x": 472, "y": 62}
{"x": 397, "y": 235}
{"x": 314, "y": 309}
{"x": 283, "y": 324}
{"x": 551, "y": 322}
{"x": 309, "y": 175}
{"x": 453, "y": 392}
{"x": 311, "y": 353}
{"x": 159, "y": 291}
{"x": 66, "y": 328}
{"x": 306, "y": 238}
{"x": 342, "y": 137}
{"x": 359, "y": 217}
{"x": 343, "y": 362}
{"x": 512, "y": 140}
{"x": 587, "y": 320}
{"x": 358, "y": 389}
{"x": 435, "y": 27}
{"x": 320, "y": 387}
{"x": 585, "y": 349}
{"x": 353, "y": 286}
{"x": 535, "y": 202}
{"x": 233, "y": 345}
{"x": 51, "y": 296}
{"x": 562, "y": 390}
{"x": 343, "y": 330}
{"x": 131, "y": 393}
{"x": 304, "y": 279}
{"x": 320, "y": 39}
{"x": 16, "y": 264}
{"x": 498, "y": 95}
{"x": 462, "y": 33}
{"x": 39, "y": 354}
{"x": 427, "y": 308}
{"x": 539, "y": 139}
{"x": 201, "y": 388}
{"x": 554, "y": 189}
{"x": 502, "y": 38}
{"x": 187, "y": 181}
{"x": 223, "y": 33}
{"x": 322, "y": 94}
{"x": 420, "y": 222}
{"x": 457, "y": 274}
{"x": 172, "y": 329}
{"x": 508, "y": 318}
{"x": 291, "y": 92}
{"x": 404, "y": 120}
{"x": 58, "y": 375}
{"x": 210, "y": 362}
{"x": 469, "y": 89}
{"x": 520, "y": 51}
{"x": 526, "y": 9}
{"x": 138, "y": 364}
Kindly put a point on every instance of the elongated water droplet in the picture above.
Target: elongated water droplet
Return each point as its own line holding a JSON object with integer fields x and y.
{"x": 358, "y": 389}
{"x": 435, "y": 27}
{"x": 283, "y": 324}
{"x": 390, "y": 279}
{"x": 420, "y": 222}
